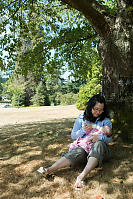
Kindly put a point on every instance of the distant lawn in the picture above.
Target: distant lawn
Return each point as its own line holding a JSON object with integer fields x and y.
{"x": 5, "y": 101}
{"x": 24, "y": 148}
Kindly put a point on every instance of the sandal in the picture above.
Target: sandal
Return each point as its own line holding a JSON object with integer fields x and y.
{"x": 42, "y": 170}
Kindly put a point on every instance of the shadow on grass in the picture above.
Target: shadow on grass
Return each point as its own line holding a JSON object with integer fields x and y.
{"x": 26, "y": 147}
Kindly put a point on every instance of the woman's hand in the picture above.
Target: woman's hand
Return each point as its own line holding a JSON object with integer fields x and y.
{"x": 87, "y": 127}
{"x": 94, "y": 138}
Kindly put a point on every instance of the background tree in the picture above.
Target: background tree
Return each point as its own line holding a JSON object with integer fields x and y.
{"x": 41, "y": 96}
{"x": 60, "y": 90}
{"x": 3, "y": 79}
{"x": 1, "y": 89}
{"x": 15, "y": 91}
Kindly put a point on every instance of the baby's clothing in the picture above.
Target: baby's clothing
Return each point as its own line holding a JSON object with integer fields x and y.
{"x": 85, "y": 142}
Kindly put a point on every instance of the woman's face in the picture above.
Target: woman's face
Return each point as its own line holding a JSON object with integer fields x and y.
{"x": 98, "y": 109}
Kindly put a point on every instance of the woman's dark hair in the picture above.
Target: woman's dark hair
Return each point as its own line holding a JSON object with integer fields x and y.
{"x": 90, "y": 104}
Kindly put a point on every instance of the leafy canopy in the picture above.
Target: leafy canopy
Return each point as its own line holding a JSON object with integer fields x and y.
{"x": 46, "y": 36}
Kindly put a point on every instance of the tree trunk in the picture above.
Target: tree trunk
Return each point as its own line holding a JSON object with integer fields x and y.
{"x": 117, "y": 54}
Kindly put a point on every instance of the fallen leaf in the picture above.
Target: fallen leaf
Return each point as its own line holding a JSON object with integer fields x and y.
{"x": 100, "y": 169}
{"x": 116, "y": 180}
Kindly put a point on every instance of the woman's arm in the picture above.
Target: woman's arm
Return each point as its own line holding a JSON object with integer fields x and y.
{"x": 77, "y": 128}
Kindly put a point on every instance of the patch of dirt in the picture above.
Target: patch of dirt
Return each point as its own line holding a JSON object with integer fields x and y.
{"x": 37, "y": 114}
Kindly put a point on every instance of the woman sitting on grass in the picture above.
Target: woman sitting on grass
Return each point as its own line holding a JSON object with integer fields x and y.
{"x": 93, "y": 149}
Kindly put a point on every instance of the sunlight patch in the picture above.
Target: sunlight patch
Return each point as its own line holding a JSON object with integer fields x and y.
{"x": 29, "y": 167}
{"x": 54, "y": 146}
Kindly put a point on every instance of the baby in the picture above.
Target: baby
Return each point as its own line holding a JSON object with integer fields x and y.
{"x": 86, "y": 142}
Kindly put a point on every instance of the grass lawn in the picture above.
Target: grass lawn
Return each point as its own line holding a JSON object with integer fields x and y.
{"x": 26, "y": 147}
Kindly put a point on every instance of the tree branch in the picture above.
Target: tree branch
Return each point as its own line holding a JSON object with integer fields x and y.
{"x": 92, "y": 10}
{"x": 83, "y": 39}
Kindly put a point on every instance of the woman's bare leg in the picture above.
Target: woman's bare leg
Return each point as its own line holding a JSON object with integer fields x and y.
{"x": 61, "y": 163}
{"x": 91, "y": 164}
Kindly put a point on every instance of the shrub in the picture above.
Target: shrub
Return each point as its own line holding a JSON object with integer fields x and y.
{"x": 18, "y": 98}
{"x": 92, "y": 87}
{"x": 68, "y": 98}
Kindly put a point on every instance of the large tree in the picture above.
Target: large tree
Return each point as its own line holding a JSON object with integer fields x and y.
{"x": 115, "y": 32}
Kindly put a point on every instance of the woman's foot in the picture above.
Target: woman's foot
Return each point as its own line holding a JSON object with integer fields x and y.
{"x": 42, "y": 170}
{"x": 45, "y": 171}
{"x": 79, "y": 184}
